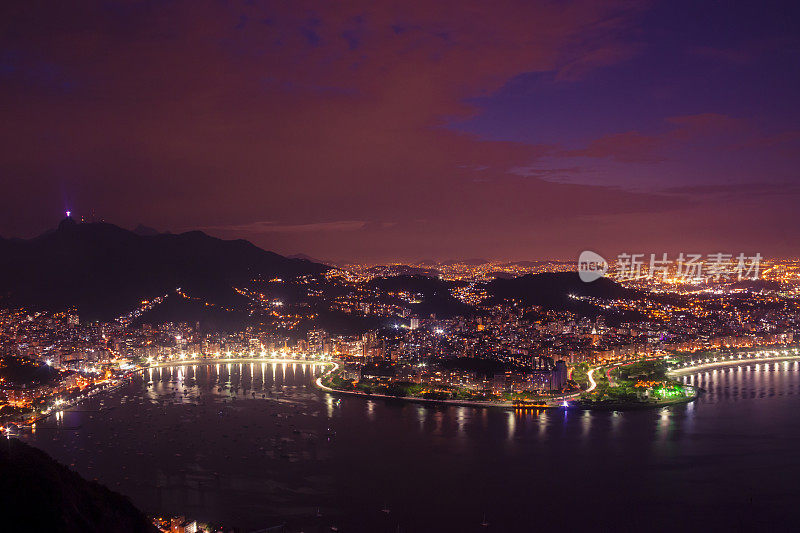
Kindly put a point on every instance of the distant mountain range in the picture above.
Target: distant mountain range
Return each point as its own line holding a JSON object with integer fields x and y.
{"x": 146, "y": 231}
{"x": 308, "y": 258}
{"x": 105, "y": 271}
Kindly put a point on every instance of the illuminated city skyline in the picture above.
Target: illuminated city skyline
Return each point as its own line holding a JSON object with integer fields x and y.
{"x": 399, "y": 266}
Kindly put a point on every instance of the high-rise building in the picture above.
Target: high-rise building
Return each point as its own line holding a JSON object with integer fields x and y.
{"x": 558, "y": 376}
{"x": 316, "y": 337}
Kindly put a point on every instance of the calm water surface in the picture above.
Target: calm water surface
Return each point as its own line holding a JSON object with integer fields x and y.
{"x": 254, "y": 445}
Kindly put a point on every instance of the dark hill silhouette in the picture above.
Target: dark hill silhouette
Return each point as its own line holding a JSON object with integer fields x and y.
{"x": 145, "y": 231}
{"x": 41, "y": 495}
{"x": 757, "y": 285}
{"x": 552, "y": 290}
{"x": 307, "y": 258}
{"x": 407, "y": 270}
{"x": 473, "y": 261}
{"x": 436, "y": 299}
{"x": 104, "y": 270}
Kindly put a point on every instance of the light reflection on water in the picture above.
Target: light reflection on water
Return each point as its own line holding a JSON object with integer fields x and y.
{"x": 251, "y": 445}
{"x": 746, "y": 382}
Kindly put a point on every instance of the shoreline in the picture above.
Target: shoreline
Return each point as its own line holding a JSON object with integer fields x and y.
{"x": 636, "y": 406}
{"x": 505, "y": 405}
{"x": 365, "y": 395}
{"x": 209, "y": 361}
{"x": 731, "y": 363}
{"x": 115, "y": 386}
{"x": 508, "y": 406}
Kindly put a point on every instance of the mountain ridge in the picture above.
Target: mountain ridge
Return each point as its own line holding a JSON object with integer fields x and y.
{"x": 103, "y": 270}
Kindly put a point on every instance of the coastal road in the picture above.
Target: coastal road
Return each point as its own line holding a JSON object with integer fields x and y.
{"x": 592, "y": 383}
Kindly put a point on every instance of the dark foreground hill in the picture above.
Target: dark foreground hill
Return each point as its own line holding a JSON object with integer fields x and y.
{"x": 38, "y": 494}
{"x": 104, "y": 270}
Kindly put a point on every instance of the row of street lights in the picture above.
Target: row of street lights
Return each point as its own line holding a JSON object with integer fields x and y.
{"x": 766, "y": 354}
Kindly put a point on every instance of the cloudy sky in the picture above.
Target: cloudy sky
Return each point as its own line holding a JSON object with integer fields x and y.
{"x": 384, "y": 130}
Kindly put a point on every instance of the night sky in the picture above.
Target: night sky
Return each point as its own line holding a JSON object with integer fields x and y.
{"x": 408, "y": 130}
